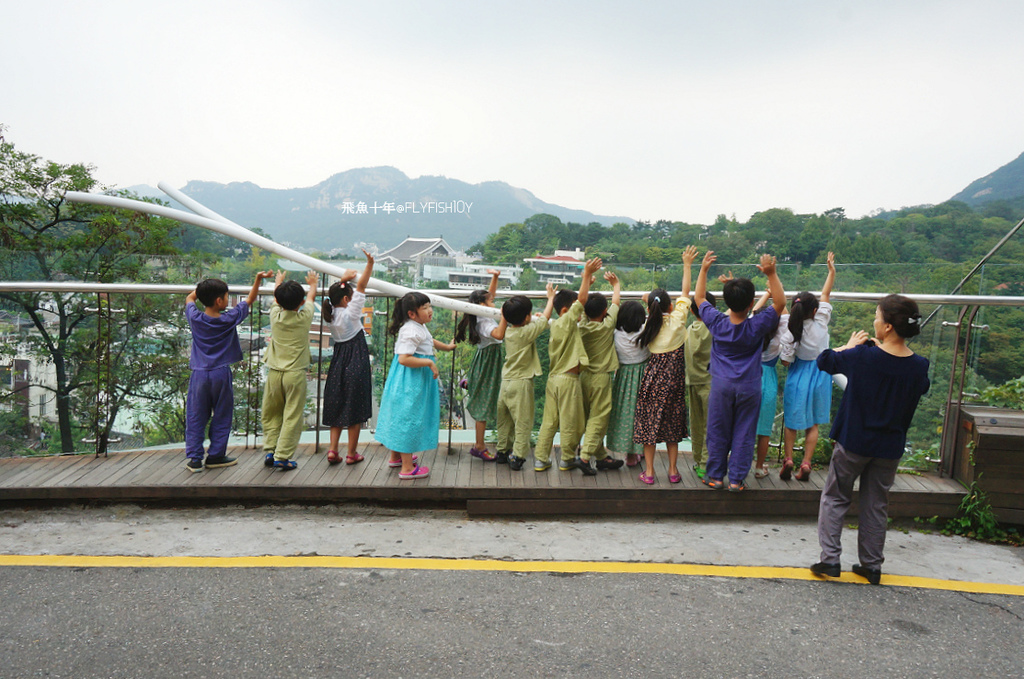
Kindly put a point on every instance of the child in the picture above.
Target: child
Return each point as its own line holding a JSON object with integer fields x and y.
{"x": 661, "y": 401}
{"x": 598, "y": 334}
{"x": 886, "y": 381}
{"x": 348, "y": 393}
{"x": 287, "y": 359}
{"x": 515, "y": 399}
{"x": 563, "y": 398}
{"x": 484, "y": 377}
{"x": 698, "y": 377}
{"x": 735, "y": 372}
{"x": 807, "y": 398}
{"x": 410, "y": 407}
{"x": 214, "y": 348}
{"x": 769, "y": 391}
{"x": 632, "y": 362}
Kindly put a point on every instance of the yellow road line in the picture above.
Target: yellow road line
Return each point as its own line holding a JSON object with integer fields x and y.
{"x": 759, "y": 572}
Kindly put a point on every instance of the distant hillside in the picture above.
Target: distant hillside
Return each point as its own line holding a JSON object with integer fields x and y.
{"x": 380, "y": 205}
{"x": 1006, "y": 183}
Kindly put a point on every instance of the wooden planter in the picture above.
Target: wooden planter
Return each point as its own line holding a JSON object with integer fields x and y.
{"x": 990, "y": 449}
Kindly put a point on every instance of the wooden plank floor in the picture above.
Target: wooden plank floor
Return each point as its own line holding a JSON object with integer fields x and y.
{"x": 484, "y": 488}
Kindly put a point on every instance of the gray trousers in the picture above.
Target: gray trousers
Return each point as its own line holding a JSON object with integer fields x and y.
{"x": 876, "y": 478}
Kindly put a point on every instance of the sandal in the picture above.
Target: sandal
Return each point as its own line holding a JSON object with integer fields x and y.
{"x": 738, "y": 487}
{"x": 333, "y": 457}
{"x": 417, "y": 473}
{"x": 285, "y": 465}
{"x": 805, "y": 472}
{"x": 787, "y": 469}
{"x": 398, "y": 463}
{"x": 713, "y": 484}
{"x": 482, "y": 454}
{"x": 647, "y": 478}
{"x": 632, "y": 460}
{"x": 352, "y": 458}
{"x": 761, "y": 472}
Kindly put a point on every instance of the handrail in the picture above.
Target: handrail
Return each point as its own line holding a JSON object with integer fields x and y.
{"x": 461, "y": 293}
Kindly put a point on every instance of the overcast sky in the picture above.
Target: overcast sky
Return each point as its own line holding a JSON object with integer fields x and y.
{"x": 660, "y": 110}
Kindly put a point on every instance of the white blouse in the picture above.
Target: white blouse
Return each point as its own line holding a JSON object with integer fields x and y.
{"x": 629, "y": 353}
{"x": 485, "y": 326}
{"x": 347, "y": 321}
{"x": 414, "y": 338}
{"x": 774, "y": 344}
{"x": 814, "y": 340}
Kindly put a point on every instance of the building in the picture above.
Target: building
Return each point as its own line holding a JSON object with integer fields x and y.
{"x": 475, "y": 276}
{"x": 562, "y": 268}
{"x": 414, "y": 255}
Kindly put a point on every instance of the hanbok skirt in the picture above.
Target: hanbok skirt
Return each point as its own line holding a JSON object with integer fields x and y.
{"x": 807, "y": 399}
{"x": 410, "y": 409}
{"x": 769, "y": 397}
{"x": 661, "y": 402}
{"x": 484, "y": 382}
{"x": 348, "y": 392}
{"x": 625, "y": 387}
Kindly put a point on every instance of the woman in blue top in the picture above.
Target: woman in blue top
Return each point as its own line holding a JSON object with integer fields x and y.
{"x": 886, "y": 381}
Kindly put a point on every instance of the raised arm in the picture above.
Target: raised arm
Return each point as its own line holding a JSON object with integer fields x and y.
{"x": 826, "y": 290}
{"x": 551, "y": 289}
{"x": 367, "y": 272}
{"x": 762, "y": 301}
{"x": 689, "y": 254}
{"x": 778, "y": 295}
{"x": 616, "y": 286}
{"x": 492, "y": 289}
{"x": 499, "y": 332}
{"x": 701, "y": 293}
{"x": 589, "y": 269}
{"x": 255, "y": 290}
{"x": 312, "y": 279}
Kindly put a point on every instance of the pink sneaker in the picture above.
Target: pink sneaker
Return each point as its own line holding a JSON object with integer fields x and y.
{"x": 417, "y": 473}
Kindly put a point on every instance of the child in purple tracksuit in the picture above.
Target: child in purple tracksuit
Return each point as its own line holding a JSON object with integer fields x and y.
{"x": 214, "y": 348}
{"x": 735, "y": 399}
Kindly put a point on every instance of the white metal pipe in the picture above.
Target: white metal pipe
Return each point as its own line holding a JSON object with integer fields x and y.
{"x": 247, "y": 236}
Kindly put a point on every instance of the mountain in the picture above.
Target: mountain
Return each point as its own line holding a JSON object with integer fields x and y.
{"x": 1006, "y": 183}
{"x": 380, "y": 205}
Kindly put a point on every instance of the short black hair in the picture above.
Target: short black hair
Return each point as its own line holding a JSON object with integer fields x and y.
{"x": 596, "y": 305}
{"x": 738, "y": 294}
{"x": 289, "y": 295}
{"x": 516, "y": 309}
{"x": 695, "y": 308}
{"x": 564, "y": 299}
{"x": 210, "y": 290}
{"x": 631, "y": 316}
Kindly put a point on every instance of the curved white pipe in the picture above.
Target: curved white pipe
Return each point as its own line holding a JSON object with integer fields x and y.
{"x": 227, "y": 228}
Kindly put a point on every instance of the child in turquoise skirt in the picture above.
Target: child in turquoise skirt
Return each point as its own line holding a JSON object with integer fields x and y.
{"x": 410, "y": 407}
{"x": 483, "y": 381}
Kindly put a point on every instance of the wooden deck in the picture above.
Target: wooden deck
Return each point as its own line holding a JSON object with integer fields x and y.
{"x": 456, "y": 478}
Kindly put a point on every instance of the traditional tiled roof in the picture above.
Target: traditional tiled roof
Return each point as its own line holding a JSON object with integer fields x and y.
{"x": 411, "y": 248}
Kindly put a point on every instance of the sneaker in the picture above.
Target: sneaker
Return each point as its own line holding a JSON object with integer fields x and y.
{"x": 268, "y": 461}
{"x": 515, "y": 463}
{"x": 220, "y": 461}
{"x": 539, "y": 466}
{"x": 586, "y": 467}
{"x": 872, "y": 575}
{"x": 567, "y": 465}
{"x": 501, "y": 457}
{"x": 194, "y": 466}
{"x": 699, "y": 471}
{"x": 832, "y": 570}
{"x": 609, "y": 463}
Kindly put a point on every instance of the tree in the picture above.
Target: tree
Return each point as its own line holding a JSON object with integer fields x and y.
{"x": 44, "y": 238}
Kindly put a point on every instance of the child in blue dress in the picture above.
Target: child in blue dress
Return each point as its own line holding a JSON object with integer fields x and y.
{"x": 769, "y": 390}
{"x": 807, "y": 398}
{"x": 410, "y": 408}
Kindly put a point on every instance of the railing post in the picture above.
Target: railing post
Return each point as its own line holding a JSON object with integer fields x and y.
{"x": 319, "y": 369}
{"x": 451, "y": 380}
{"x": 951, "y": 419}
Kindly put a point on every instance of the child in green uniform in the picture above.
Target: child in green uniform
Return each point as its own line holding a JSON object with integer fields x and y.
{"x": 515, "y": 398}
{"x": 563, "y": 398}
{"x": 598, "y": 333}
{"x": 698, "y": 382}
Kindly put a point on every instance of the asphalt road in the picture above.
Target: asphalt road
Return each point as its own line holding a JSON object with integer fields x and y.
{"x": 184, "y": 622}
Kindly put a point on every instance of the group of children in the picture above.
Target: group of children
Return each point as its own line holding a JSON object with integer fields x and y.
{"x": 620, "y": 380}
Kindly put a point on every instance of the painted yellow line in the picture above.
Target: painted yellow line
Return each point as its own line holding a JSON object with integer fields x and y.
{"x": 759, "y": 572}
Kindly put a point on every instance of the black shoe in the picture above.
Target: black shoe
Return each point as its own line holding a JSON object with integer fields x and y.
{"x": 194, "y": 466}
{"x": 515, "y": 463}
{"x": 586, "y": 467}
{"x": 609, "y": 463}
{"x": 501, "y": 457}
{"x": 268, "y": 461}
{"x": 872, "y": 575}
{"x": 220, "y": 461}
{"x": 832, "y": 570}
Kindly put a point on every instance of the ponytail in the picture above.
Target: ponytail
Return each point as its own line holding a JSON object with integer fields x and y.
{"x": 337, "y": 292}
{"x": 803, "y": 307}
{"x": 467, "y": 325}
{"x": 411, "y": 301}
{"x": 657, "y": 306}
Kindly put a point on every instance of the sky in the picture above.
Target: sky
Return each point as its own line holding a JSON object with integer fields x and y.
{"x": 672, "y": 110}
